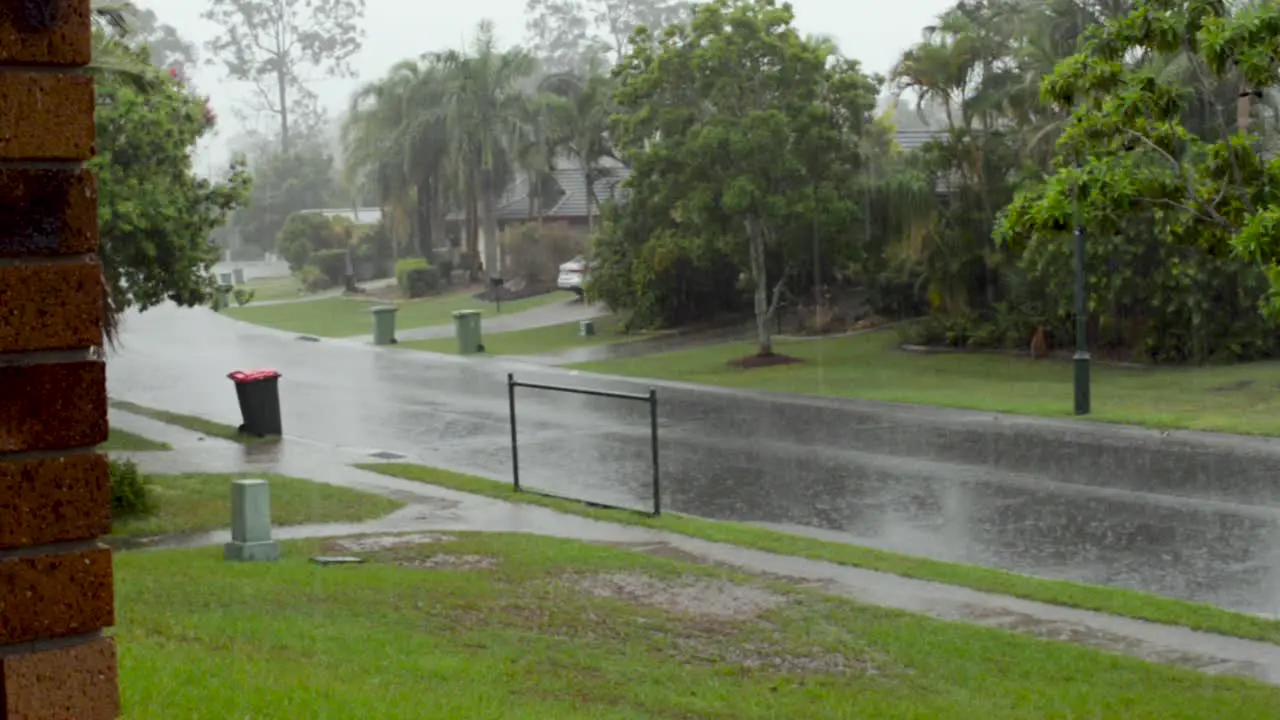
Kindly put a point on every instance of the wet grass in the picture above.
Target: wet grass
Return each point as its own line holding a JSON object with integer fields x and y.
{"x": 348, "y": 317}
{"x": 203, "y": 638}
{"x": 192, "y": 423}
{"x": 199, "y": 502}
{"x": 1241, "y": 398}
{"x": 538, "y": 341}
{"x": 274, "y": 288}
{"x": 1115, "y": 601}
{"x": 125, "y": 441}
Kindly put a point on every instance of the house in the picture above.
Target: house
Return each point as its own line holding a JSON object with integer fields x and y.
{"x": 564, "y": 200}
{"x": 360, "y": 217}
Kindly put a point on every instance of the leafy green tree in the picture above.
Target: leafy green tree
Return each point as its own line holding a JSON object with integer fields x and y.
{"x": 284, "y": 183}
{"x": 306, "y": 233}
{"x": 749, "y": 131}
{"x": 155, "y": 214}
{"x": 1178, "y": 211}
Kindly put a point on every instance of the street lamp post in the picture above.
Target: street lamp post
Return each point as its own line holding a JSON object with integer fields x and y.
{"x": 1080, "y": 361}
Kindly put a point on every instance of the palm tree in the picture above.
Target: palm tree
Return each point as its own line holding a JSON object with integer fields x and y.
{"x": 398, "y": 144}
{"x": 484, "y": 102}
{"x": 369, "y": 138}
{"x": 536, "y": 151}
{"x": 581, "y": 121}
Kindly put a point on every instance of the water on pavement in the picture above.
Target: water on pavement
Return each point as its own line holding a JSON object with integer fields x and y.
{"x": 933, "y": 483}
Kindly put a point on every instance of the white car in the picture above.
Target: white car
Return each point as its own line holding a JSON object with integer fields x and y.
{"x": 573, "y": 275}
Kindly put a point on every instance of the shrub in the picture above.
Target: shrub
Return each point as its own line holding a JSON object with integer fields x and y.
{"x": 417, "y": 278}
{"x": 445, "y": 266}
{"x": 331, "y": 263}
{"x": 313, "y": 280}
{"x": 305, "y": 234}
{"x": 534, "y": 254}
{"x": 244, "y": 296}
{"x": 130, "y": 493}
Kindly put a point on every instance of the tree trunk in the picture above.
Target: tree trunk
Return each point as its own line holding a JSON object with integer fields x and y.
{"x": 435, "y": 215}
{"x": 764, "y": 333}
{"x": 422, "y": 214}
{"x": 489, "y": 216}
{"x": 473, "y": 224}
{"x": 283, "y": 89}
{"x": 349, "y": 277}
{"x": 591, "y": 221}
{"x": 395, "y": 243}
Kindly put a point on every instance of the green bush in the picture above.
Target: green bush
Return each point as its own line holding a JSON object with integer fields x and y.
{"x": 130, "y": 493}
{"x": 244, "y": 296}
{"x": 331, "y": 263}
{"x": 417, "y": 278}
{"x": 445, "y": 266}
{"x": 313, "y": 280}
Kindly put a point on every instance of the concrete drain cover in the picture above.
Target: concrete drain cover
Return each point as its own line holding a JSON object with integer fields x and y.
{"x": 387, "y": 455}
{"x": 308, "y": 338}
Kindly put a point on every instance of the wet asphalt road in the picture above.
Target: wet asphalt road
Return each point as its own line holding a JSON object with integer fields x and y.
{"x": 1024, "y": 496}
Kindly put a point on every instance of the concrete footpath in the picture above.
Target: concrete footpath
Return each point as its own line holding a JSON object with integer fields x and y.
{"x": 431, "y": 508}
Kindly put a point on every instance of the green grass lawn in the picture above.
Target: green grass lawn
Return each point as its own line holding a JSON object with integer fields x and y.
{"x": 125, "y": 441}
{"x": 347, "y": 317}
{"x": 1115, "y": 601}
{"x": 533, "y": 628}
{"x": 274, "y": 288}
{"x": 191, "y": 422}
{"x": 1236, "y": 398}
{"x": 538, "y": 341}
{"x": 199, "y": 502}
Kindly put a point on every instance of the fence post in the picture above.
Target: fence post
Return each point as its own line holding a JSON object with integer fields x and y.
{"x": 653, "y": 442}
{"x": 515, "y": 447}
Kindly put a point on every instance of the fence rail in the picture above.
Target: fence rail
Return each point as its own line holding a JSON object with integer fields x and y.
{"x": 651, "y": 398}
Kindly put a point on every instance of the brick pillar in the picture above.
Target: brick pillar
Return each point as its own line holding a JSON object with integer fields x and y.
{"x": 56, "y": 590}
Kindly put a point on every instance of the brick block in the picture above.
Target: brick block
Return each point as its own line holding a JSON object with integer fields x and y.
{"x": 54, "y": 500}
{"x": 76, "y": 682}
{"x": 53, "y": 596}
{"x": 48, "y": 212}
{"x": 53, "y": 407}
{"x": 50, "y": 307}
{"x": 58, "y": 36}
{"x": 46, "y": 116}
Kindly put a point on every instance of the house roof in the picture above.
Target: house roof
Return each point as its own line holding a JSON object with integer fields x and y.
{"x": 572, "y": 200}
{"x": 572, "y": 204}
{"x": 357, "y": 216}
{"x": 916, "y": 138}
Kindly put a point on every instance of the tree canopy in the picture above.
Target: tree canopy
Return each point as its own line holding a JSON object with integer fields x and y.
{"x": 155, "y": 214}
{"x": 747, "y": 132}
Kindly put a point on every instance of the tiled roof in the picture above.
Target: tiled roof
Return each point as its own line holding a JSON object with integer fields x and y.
{"x": 916, "y": 138}
{"x": 514, "y": 204}
{"x": 574, "y": 202}
{"x": 358, "y": 216}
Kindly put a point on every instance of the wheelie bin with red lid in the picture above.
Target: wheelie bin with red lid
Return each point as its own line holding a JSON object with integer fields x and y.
{"x": 259, "y": 394}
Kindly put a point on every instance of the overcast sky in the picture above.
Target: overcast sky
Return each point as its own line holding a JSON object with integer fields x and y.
{"x": 873, "y": 31}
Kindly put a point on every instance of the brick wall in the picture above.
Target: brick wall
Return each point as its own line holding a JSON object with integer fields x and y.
{"x": 56, "y": 590}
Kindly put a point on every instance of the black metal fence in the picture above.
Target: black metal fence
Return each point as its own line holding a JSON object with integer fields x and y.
{"x": 651, "y": 398}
